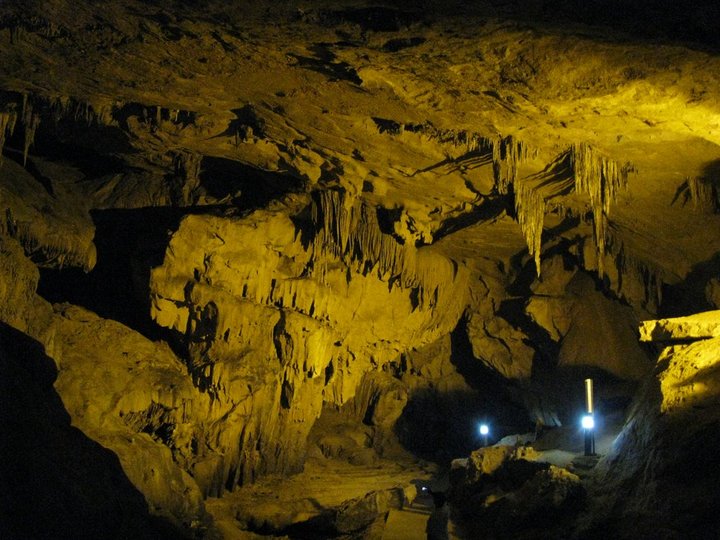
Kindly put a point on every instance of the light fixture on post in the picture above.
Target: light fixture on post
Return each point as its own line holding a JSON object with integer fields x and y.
{"x": 484, "y": 431}
{"x": 588, "y": 420}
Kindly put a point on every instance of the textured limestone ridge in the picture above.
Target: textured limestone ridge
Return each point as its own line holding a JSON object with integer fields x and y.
{"x": 125, "y": 392}
{"x": 699, "y": 326}
{"x": 45, "y": 221}
{"x": 275, "y": 327}
{"x": 134, "y": 397}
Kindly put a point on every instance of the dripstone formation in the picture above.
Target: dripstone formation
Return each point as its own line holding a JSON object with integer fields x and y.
{"x": 238, "y": 241}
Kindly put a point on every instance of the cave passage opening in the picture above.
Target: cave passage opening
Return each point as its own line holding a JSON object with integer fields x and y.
{"x": 129, "y": 243}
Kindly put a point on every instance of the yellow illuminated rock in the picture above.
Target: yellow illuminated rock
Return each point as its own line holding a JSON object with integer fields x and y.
{"x": 250, "y": 240}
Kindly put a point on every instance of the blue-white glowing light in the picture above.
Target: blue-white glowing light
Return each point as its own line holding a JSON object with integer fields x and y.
{"x": 588, "y": 422}
{"x": 484, "y": 429}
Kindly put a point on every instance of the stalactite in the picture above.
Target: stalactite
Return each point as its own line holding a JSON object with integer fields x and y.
{"x": 187, "y": 168}
{"x": 16, "y": 33}
{"x": 634, "y": 274}
{"x": 530, "y": 209}
{"x": 507, "y": 154}
{"x": 51, "y": 250}
{"x": 33, "y": 24}
{"x": 65, "y": 107}
{"x": 349, "y": 230}
{"x": 703, "y": 195}
{"x": 7, "y": 126}
{"x": 31, "y": 121}
{"x": 35, "y": 107}
{"x": 601, "y": 179}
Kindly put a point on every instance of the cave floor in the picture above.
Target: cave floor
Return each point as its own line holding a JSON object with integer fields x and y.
{"x": 274, "y": 503}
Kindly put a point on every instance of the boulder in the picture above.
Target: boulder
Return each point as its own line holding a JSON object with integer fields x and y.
{"x": 502, "y": 492}
{"x": 71, "y": 485}
{"x": 490, "y": 469}
{"x": 489, "y": 460}
{"x": 602, "y": 334}
{"x": 548, "y": 493}
{"x": 500, "y": 346}
{"x": 358, "y": 514}
{"x": 361, "y": 517}
{"x": 133, "y": 397}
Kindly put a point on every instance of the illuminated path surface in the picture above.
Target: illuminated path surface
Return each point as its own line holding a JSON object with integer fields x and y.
{"x": 407, "y": 524}
{"x": 410, "y": 522}
{"x": 318, "y": 487}
{"x": 283, "y": 501}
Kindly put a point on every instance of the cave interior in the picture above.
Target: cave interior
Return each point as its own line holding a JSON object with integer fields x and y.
{"x": 266, "y": 268}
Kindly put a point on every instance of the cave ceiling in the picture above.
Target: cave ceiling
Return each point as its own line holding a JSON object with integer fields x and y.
{"x": 466, "y": 129}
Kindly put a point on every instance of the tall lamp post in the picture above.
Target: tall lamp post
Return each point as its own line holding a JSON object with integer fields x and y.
{"x": 588, "y": 420}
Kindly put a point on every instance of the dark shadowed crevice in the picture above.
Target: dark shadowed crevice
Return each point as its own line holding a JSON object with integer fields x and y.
{"x": 372, "y": 18}
{"x": 129, "y": 244}
{"x": 490, "y": 208}
{"x": 495, "y": 390}
{"x": 398, "y": 44}
{"x": 689, "y": 295}
{"x": 325, "y": 62}
{"x": 442, "y": 425}
{"x": 248, "y": 187}
{"x": 55, "y": 481}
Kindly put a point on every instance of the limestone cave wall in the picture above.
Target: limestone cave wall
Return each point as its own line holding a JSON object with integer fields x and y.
{"x": 227, "y": 236}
